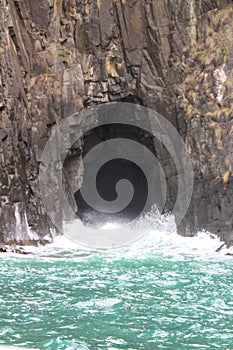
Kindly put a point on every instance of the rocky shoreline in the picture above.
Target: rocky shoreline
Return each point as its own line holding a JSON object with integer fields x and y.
{"x": 15, "y": 250}
{"x": 18, "y": 247}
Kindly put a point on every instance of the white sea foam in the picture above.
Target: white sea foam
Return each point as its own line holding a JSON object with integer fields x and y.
{"x": 162, "y": 239}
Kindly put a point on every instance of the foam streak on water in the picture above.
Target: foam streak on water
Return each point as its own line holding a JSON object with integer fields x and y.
{"x": 161, "y": 292}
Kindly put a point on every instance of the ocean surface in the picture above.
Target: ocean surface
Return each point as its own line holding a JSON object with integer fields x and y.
{"x": 161, "y": 292}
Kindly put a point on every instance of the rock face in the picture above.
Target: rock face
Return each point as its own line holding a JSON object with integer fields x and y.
{"x": 58, "y": 57}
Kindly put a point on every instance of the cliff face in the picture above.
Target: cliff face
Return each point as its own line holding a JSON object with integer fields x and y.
{"x": 57, "y": 57}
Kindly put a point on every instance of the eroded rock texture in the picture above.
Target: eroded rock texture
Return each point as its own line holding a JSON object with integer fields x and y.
{"x": 57, "y": 57}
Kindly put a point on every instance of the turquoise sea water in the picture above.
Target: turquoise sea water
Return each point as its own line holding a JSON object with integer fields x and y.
{"x": 156, "y": 294}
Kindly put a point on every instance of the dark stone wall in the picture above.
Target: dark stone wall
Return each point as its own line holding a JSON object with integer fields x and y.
{"x": 57, "y": 57}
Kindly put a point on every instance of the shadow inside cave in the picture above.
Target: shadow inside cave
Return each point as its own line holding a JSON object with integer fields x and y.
{"x": 111, "y": 173}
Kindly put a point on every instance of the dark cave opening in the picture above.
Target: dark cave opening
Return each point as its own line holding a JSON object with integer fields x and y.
{"x": 113, "y": 171}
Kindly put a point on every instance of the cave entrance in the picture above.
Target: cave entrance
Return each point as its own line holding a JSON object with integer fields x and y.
{"x": 112, "y": 172}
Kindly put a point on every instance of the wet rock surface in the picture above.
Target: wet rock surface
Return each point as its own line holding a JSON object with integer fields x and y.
{"x": 57, "y": 58}
{"x": 15, "y": 250}
{"x": 16, "y": 246}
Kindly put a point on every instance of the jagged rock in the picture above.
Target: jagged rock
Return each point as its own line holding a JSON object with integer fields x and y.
{"x": 15, "y": 250}
{"x": 175, "y": 57}
{"x": 3, "y": 249}
{"x": 28, "y": 242}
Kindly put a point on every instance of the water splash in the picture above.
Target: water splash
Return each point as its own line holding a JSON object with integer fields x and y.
{"x": 23, "y": 231}
{"x": 161, "y": 240}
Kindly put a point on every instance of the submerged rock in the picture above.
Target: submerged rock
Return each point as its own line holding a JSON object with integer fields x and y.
{"x": 220, "y": 248}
